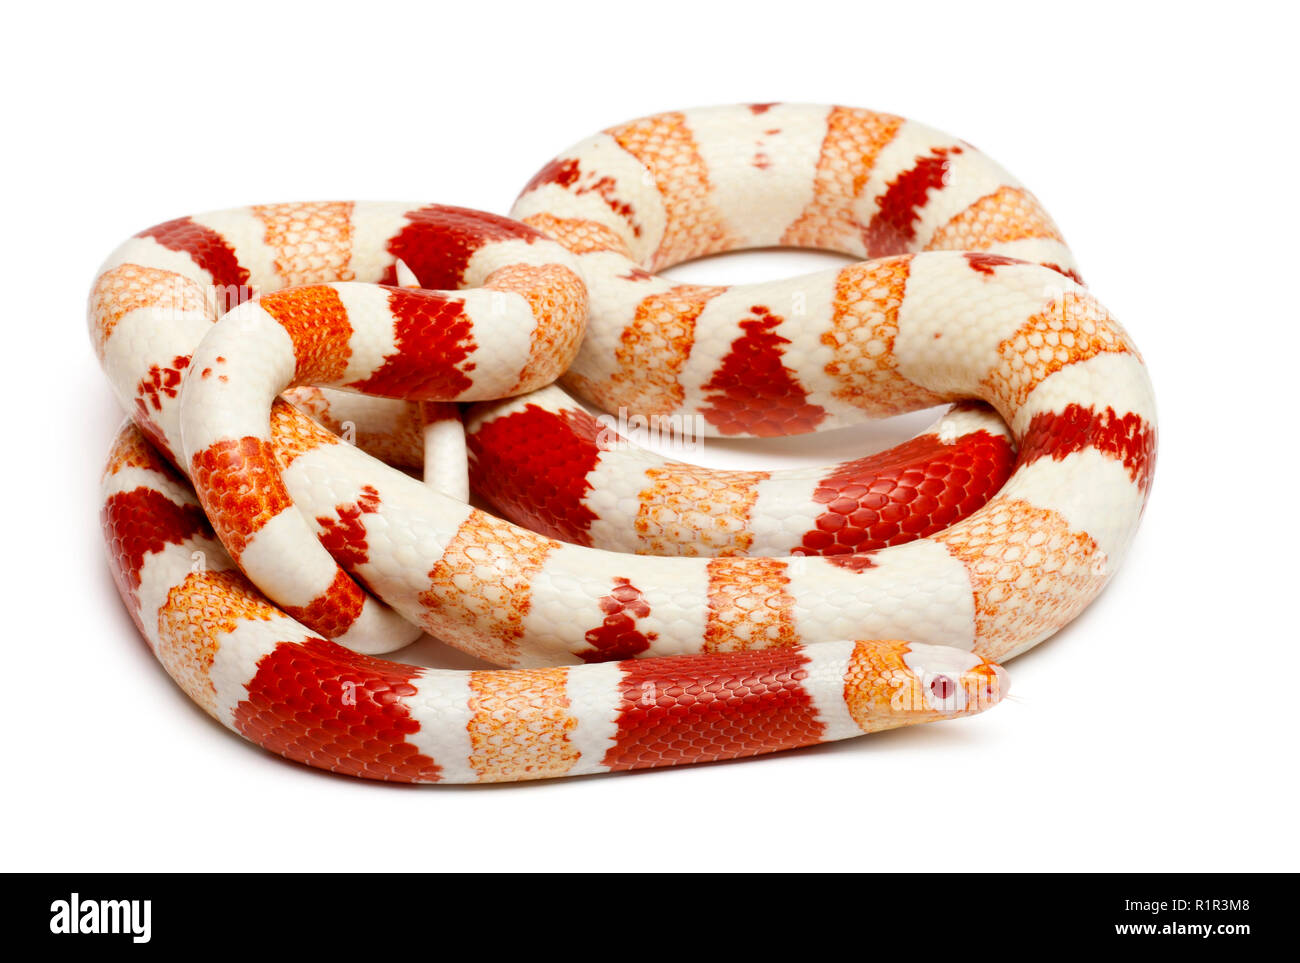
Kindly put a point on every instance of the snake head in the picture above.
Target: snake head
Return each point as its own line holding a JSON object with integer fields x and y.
{"x": 891, "y": 684}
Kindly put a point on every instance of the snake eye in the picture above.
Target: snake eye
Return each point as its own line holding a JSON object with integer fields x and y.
{"x": 942, "y": 687}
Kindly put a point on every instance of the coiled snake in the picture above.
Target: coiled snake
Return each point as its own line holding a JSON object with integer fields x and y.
{"x": 647, "y": 611}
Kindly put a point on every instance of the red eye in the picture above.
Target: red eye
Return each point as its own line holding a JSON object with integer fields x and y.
{"x": 942, "y": 687}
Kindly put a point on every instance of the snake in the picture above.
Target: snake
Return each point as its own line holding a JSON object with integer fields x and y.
{"x": 352, "y": 423}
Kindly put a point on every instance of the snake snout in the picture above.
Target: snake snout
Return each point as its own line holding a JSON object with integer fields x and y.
{"x": 953, "y": 681}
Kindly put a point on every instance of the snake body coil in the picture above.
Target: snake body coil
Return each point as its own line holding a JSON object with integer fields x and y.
{"x": 270, "y": 541}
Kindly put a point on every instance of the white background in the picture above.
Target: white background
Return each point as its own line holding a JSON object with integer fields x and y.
{"x": 1156, "y": 732}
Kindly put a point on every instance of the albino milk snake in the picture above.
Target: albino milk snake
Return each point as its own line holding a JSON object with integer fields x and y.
{"x": 648, "y": 612}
